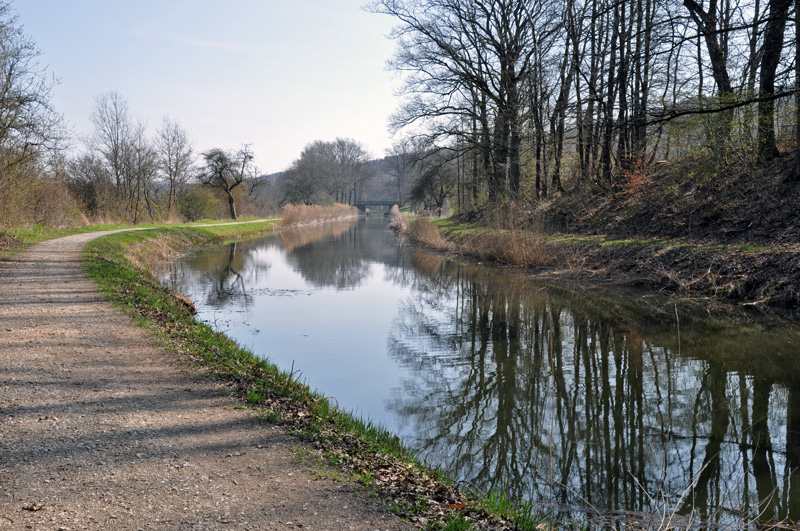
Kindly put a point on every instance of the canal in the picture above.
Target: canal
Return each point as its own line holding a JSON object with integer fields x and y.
{"x": 571, "y": 397}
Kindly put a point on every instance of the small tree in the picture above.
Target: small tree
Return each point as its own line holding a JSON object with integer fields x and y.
{"x": 225, "y": 171}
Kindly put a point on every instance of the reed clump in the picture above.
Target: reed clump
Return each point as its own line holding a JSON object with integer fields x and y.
{"x": 398, "y": 222}
{"x": 298, "y": 215}
{"x": 506, "y": 246}
{"x": 428, "y": 234}
{"x": 519, "y": 248}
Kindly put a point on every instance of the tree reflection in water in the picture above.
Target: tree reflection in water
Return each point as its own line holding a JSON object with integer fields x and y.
{"x": 224, "y": 274}
{"x": 563, "y": 401}
{"x": 567, "y": 398}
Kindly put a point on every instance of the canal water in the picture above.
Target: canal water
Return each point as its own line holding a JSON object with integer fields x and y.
{"x": 573, "y": 398}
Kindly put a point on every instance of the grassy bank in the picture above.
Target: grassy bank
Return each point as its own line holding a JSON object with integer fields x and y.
{"x": 746, "y": 274}
{"x": 366, "y": 453}
{"x": 18, "y": 239}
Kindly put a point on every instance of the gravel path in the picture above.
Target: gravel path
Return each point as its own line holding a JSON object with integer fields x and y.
{"x": 100, "y": 428}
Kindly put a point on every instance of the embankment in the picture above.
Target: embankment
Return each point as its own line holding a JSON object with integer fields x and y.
{"x": 738, "y": 273}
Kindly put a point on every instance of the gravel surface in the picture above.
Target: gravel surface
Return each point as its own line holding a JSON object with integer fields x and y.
{"x": 100, "y": 428}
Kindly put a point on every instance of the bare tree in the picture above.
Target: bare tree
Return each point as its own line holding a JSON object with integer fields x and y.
{"x": 401, "y": 159}
{"x": 467, "y": 62}
{"x": 310, "y": 177}
{"x": 771, "y": 56}
{"x": 327, "y": 171}
{"x": 435, "y": 178}
{"x": 113, "y": 131}
{"x": 140, "y": 161}
{"x": 175, "y": 158}
{"x": 226, "y": 171}
{"x": 89, "y": 182}
{"x": 126, "y": 155}
{"x": 350, "y": 157}
{"x": 29, "y": 125}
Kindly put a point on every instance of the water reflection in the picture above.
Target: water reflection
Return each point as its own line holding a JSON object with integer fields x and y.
{"x": 564, "y": 397}
{"x": 572, "y": 404}
{"x": 223, "y": 273}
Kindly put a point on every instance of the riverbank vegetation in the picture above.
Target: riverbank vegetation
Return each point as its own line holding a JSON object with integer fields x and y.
{"x": 743, "y": 252}
{"x": 298, "y": 215}
{"x": 612, "y": 122}
{"x": 363, "y": 451}
{"x": 635, "y": 121}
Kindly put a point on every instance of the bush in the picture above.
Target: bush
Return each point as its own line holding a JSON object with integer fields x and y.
{"x": 200, "y": 203}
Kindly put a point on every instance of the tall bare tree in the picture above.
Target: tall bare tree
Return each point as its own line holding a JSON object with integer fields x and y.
{"x": 113, "y": 131}
{"x": 770, "y": 58}
{"x": 467, "y": 62}
{"x": 121, "y": 145}
{"x": 334, "y": 169}
{"x": 175, "y": 158}
{"x": 29, "y": 124}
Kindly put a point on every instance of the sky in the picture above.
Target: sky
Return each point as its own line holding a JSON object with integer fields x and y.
{"x": 275, "y": 74}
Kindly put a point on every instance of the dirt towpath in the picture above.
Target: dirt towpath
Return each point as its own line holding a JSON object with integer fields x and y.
{"x": 100, "y": 428}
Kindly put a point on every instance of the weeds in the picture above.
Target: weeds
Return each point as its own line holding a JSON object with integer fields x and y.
{"x": 452, "y": 522}
{"x": 507, "y": 246}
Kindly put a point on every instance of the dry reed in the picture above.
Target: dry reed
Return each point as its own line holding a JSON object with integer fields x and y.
{"x": 513, "y": 247}
{"x": 428, "y": 234}
{"x": 297, "y": 215}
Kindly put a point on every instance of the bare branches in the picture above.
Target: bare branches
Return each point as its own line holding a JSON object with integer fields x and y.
{"x": 29, "y": 125}
{"x": 226, "y": 171}
{"x": 175, "y": 158}
{"x": 327, "y": 172}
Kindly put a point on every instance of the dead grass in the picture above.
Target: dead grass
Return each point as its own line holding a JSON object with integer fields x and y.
{"x": 427, "y": 233}
{"x": 506, "y": 246}
{"x": 153, "y": 253}
{"x": 512, "y": 247}
{"x": 8, "y": 242}
{"x": 298, "y": 215}
{"x": 399, "y": 224}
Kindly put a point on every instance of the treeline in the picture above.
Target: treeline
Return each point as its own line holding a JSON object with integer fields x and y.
{"x": 118, "y": 173}
{"x": 519, "y": 98}
{"x": 343, "y": 171}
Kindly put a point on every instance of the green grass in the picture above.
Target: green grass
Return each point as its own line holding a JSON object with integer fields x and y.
{"x": 31, "y": 235}
{"x": 451, "y": 523}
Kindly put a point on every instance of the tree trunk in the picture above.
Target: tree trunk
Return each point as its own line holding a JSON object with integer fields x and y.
{"x": 231, "y": 204}
{"x": 773, "y": 43}
{"x": 707, "y": 25}
{"x": 795, "y": 175}
{"x": 607, "y": 111}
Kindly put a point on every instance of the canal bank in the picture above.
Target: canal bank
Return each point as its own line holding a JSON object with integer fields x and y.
{"x": 738, "y": 274}
{"x": 559, "y": 392}
{"x": 104, "y": 428}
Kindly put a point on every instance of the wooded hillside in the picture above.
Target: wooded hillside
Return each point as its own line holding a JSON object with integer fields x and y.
{"x": 539, "y": 97}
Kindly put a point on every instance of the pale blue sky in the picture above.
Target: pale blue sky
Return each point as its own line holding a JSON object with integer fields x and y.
{"x": 271, "y": 73}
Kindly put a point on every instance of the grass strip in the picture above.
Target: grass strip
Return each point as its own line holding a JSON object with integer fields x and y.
{"x": 367, "y": 453}
{"x": 18, "y": 239}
